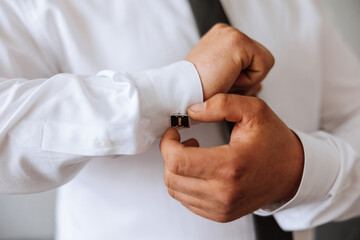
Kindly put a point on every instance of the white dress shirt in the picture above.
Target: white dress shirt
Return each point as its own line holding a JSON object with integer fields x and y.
{"x": 87, "y": 86}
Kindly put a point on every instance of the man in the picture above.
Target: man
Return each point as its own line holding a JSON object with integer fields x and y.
{"x": 55, "y": 126}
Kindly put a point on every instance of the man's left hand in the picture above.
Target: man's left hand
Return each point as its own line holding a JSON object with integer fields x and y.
{"x": 261, "y": 165}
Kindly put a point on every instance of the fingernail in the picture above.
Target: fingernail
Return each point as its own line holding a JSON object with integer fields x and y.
{"x": 199, "y": 107}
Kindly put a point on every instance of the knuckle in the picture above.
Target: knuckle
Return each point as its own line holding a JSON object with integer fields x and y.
{"x": 167, "y": 153}
{"x": 181, "y": 166}
{"x": 171, "y": 164}
{"x": 225, "y": 209}
{"x": 228, "y": 198}
{"x": 176, "y": 163}
{"x": 267, "y": 61}
{"x": 223, "y": 219}
{"x": 167, "y": 180}
{"x": 237, "y": 38}
{"x": 233, "y": 172}
{"x": 220, "y": 25}
{"x": 172, "y": 193}
{"x": 232, "y": 36}
{"x": 234, "y": 167}
{"x": 219, "y": 29}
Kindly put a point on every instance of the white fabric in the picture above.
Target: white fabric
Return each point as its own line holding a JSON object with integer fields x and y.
{"x": 84, "y": 123}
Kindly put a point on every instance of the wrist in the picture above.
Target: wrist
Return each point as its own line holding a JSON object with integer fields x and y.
{"x": 203, "y": 87}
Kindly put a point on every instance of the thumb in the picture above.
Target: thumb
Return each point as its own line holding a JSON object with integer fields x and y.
{"x": 229, "y": 107}
{"x": 171, "y": 138}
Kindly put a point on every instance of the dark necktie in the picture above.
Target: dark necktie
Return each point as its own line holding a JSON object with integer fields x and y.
{"x": 207, "y": 13}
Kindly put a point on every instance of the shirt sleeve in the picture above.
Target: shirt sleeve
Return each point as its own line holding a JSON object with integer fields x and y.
{"x": 51, "y": 127}
{"x": 330, "y": 186}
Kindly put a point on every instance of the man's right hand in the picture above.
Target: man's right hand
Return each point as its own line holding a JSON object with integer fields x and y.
{"x": 228, "y": 60}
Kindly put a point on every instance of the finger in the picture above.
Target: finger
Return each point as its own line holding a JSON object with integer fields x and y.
{"x": 194, "y": 161}
{"x": 205, "y": 206}
{"x": 192, "y": 142}
{"x": 248, "y": 79}
{"x": 189, "y": 200}
{"x": 171, "y": 138}
{"x": 230, "y": 107}
{"x": 255, "y": 67}
{"x": 261, "y": 63}
{"x": 270, "y": 60}
{"x": 253, "y": 91}
{"x": 198, "y": 211}
{"x": 195, "y": 187}
{"x": 221, "y": 218}
{"x": 246, "y": 91}
{"x": 190, "y": 161}
{"x": 201, "y": 196}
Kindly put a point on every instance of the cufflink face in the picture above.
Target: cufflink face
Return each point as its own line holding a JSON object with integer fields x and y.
{"x": 179, "y": 120}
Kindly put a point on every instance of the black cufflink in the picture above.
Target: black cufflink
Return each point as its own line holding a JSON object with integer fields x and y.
{"x": 179, "y": 120}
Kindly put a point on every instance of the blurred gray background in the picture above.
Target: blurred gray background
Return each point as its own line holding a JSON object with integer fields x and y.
{"x": 32, "y": 216}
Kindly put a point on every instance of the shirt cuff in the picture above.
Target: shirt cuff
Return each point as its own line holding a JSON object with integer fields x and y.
{"x": 321, "y": 168}
{"x": 168, "y": 90}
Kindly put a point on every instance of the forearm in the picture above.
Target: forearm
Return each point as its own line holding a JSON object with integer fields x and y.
{"x": 52, "y": 127}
